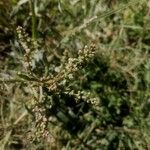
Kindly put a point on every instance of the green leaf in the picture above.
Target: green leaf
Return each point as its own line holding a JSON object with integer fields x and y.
{"x": 27, "y": 77}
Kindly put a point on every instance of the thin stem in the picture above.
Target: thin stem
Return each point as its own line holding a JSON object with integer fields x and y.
{"x": 34, "y": 32}
{"x": 11, "y": 80}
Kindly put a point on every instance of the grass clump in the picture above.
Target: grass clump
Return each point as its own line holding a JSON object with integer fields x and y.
{"x": 74, "y": 75}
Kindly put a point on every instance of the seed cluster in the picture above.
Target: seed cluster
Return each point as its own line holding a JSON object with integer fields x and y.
{"x": 41, "y": 122}
{"x": 25, "y": 42}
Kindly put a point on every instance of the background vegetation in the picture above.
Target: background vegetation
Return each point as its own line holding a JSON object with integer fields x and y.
{"x": 75, "y": 74}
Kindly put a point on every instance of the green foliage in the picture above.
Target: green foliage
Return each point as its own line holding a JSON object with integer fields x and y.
{"x": 76, "y": 75}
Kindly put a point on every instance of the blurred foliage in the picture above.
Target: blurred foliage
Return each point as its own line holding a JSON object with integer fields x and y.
{"x": 46, "y": 105}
